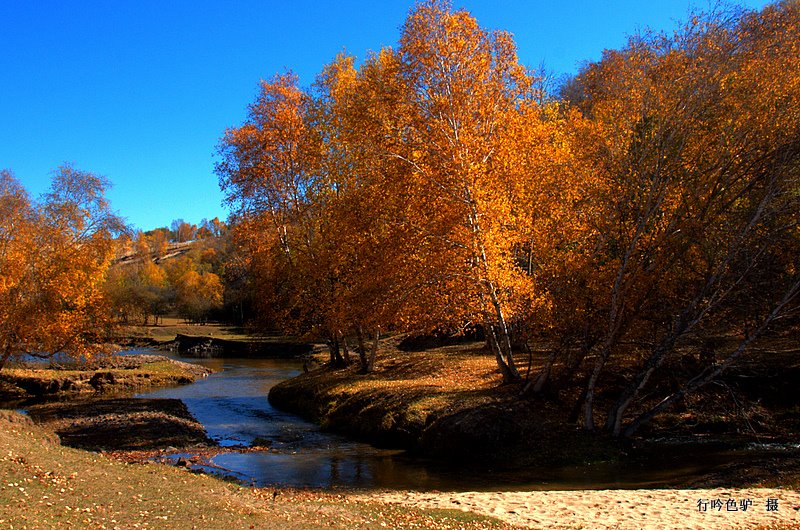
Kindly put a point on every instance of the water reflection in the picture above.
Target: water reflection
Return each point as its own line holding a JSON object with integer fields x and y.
{"x": 232, "y": 405}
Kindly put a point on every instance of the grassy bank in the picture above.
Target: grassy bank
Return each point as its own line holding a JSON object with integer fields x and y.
{"x": 46, "y": 485}
{"x": 107, "y": 374}
{"x": 443, "y": 402}
{"x": 122, "y": 424}
{"x": 170, "y": 327}
{"x": 448, "y": 402}
{"x": 213, "y": 340}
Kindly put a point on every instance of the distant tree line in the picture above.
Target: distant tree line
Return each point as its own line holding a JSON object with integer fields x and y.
{"x": 157, "y": 276}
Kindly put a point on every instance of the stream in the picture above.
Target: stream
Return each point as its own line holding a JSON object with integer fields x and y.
{"x": 233, "y": 407}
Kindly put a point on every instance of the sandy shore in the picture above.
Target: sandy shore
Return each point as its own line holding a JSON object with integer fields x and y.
{"x": 620, "y": 509}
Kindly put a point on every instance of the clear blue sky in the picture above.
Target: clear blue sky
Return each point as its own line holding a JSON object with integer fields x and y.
{"x": 141, "y": 91}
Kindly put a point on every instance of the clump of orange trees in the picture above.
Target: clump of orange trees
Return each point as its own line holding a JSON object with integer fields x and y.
{"x": 186, "y": 271}
{"x": 54, "y": 254}
{"x": 435, "y": 187}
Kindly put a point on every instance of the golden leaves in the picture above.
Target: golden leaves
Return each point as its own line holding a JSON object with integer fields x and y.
{"x": 54, "y": 256}
{"x": 434, "y": 187}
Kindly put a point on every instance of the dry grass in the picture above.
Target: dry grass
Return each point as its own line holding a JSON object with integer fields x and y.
{"x": 446, "y": 402}
{"x": 166, "y": 368}
{"x": 450, "y": 402}
{"x": 411, "y": 387}
{"x": 121, "y": 423}
{"x": 464, "y": 368}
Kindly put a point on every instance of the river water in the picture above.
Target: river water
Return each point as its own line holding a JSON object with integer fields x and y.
{"x": 232, "y": 405}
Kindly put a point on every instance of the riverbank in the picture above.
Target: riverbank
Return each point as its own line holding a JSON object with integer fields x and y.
{"x": 86, "y": 404}
{"x": 47, "y": 485}
{"x": 107, "y": 374}
{"x": 448, "y": 403}
{"x": 123, "y": 424}
{"x": 170, "y": 327}
{"x": 212, "y": 340}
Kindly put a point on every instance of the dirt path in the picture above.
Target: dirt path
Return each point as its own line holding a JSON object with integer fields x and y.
{"x": 619, "y": 509}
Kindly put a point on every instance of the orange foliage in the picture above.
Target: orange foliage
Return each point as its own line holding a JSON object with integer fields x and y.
{"x": 53, "y": 258}
{"x": 436, "y": 188}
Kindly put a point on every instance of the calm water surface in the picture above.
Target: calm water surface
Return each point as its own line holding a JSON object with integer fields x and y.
{"x": 232, "y": 405}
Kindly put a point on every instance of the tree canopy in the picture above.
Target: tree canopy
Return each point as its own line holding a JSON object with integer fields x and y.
{"x": 437, "y": 187}
{"x": 54, "y": 253}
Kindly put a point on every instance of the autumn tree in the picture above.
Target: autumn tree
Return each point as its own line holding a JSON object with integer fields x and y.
{"x": 198, "y": 294}
{"x": 385, "y": 197}
{"x": 302, "y": 191}
{"x": 438, "y": 187}
{"x": 748, "y": 256}
{"x": 352, "y": 111}
{"x": 463, "y": 87}
{"x": 212, "y": 228}
{"x": 269, "y": 172}
{"x": 147, "y": 284}
{"x": 695, "y": 142}
{"x": 183, "y": 231}
{"x": 140, "y": 289}
{"x": 53, "y": 257}
{"x": 158, "y": 241}
{"x": 137, "y": 286}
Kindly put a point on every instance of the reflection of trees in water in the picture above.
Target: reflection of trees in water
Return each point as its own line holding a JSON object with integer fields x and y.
{"x": 358, "y": 471}
{"x": 231, "y": 404}
{"x": 349, "y": 472}
{"x": 334, "y": 467}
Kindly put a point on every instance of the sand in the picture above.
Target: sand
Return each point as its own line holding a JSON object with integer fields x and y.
{"x": 619, "y": 509}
